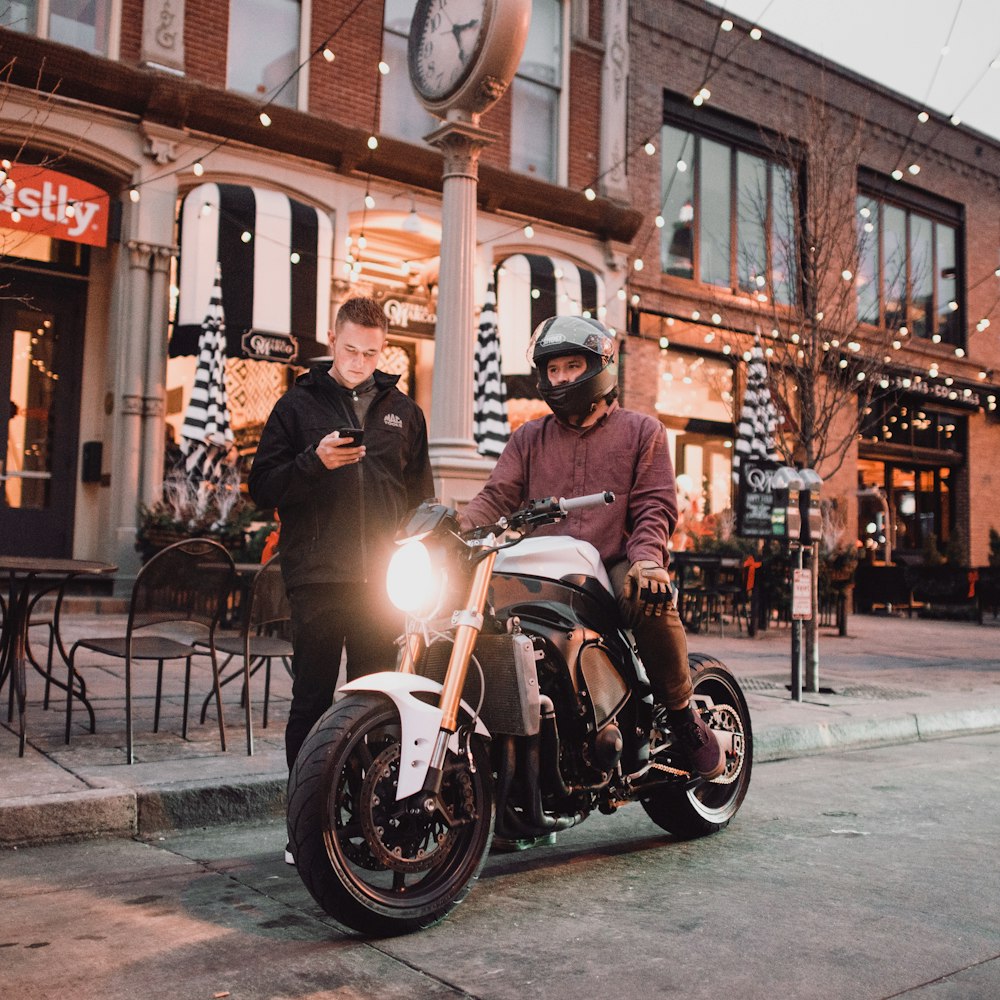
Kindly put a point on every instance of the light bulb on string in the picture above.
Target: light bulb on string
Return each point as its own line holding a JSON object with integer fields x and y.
{"x": 133, "y": 194}
{"x": 328, "y": 54}
{"x": 372, "y": 142}
{"x": 265, "y": 119}
{"x": 383, "y": 68}
{"x": 369, "y": 201}
{"x": 649, "y": 148}
{"x": 198, "y": 168}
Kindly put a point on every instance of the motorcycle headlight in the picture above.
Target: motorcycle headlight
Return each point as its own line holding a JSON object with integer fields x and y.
{"x": 415, "y": 584}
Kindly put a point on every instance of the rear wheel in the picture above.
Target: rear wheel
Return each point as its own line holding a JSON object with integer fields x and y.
{"x": 375, "y": 864}
{"x": 707, "y": 808}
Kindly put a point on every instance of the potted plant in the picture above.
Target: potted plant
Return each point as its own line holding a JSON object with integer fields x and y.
{"x": 188, "y": 509}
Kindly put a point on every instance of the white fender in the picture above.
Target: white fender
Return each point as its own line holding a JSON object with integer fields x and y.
{"x": 419, "y": 722}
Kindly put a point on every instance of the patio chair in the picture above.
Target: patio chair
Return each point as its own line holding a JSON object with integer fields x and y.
{"x": 263, "y": 636}
{"x": 181, "y": 593}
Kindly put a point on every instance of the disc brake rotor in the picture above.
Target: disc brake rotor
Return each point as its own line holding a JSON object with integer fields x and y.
{"x": 399, "y": 839}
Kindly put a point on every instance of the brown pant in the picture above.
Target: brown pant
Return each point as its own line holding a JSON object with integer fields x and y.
{"x": 661, "y": 641}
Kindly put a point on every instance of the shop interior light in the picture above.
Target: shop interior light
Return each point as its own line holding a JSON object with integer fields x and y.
{"x": 412, "y": 223}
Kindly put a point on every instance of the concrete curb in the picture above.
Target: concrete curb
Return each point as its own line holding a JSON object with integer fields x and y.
{"x": 779, "y": 742}
{"x": 147, "y": 811}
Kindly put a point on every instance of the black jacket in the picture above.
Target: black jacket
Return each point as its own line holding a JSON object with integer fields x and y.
{"x": 337, "y": 525}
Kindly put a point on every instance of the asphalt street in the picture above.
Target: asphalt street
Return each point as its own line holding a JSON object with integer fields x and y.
{"x": 868, "y": 873}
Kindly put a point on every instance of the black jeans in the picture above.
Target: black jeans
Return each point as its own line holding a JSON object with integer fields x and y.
{"x": 661, "y": 641}
{"x": 325, "y": 618}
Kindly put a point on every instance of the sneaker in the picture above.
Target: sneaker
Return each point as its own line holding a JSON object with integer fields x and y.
{"x": 289, "y": 858}
{"x": 692, "y": 734}
{"x": 503, "y": 845}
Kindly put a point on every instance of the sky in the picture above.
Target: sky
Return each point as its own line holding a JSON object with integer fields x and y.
{"x": 899, "y": 43}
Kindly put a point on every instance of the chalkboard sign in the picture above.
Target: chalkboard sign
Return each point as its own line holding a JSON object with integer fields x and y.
{"x": 755, "y": 501}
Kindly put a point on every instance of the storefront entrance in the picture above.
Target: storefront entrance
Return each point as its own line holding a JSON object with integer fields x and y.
{"x": 41, "y": 340}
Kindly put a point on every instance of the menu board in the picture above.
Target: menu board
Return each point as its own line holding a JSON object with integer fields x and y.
{"x": 755, "y": 511}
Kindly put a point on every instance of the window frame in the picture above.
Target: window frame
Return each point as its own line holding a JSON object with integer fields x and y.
{"x": 562, "y": 104}
{"x": 43, "y": 11}
{"x": 301, "y": 83}
{"x": 874, "y": 189}
{"x": 738, "y": 137}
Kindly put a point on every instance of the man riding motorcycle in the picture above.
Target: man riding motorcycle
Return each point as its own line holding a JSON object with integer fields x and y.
{"x": 590, "y": 444}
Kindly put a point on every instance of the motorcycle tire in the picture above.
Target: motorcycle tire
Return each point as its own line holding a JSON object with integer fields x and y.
{"x": 709, "y": 807}
{"x": 369, "y": 863}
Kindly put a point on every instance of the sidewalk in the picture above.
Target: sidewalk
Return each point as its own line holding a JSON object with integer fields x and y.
{"x": 891, "y": 680}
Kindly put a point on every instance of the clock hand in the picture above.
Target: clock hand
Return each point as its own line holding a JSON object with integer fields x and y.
{"x": 458, "y": 30}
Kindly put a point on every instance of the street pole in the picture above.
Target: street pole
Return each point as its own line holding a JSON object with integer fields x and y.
{"x": 458, "y": 469}
{"x": 796, "y": 636}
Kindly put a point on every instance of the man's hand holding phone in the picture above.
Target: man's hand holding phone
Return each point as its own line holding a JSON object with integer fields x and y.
{"x": 342, "y": 447}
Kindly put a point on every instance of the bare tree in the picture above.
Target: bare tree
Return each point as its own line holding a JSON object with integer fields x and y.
{"x": 814, "y": 280}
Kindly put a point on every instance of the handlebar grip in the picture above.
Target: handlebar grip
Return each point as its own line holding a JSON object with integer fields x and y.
{"x": 591, "y": 500}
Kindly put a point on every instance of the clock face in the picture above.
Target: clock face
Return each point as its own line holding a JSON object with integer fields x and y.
{"x": 445, "y": 42}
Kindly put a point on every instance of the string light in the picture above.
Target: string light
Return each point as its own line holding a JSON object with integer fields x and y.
{"x": 133, "y": 194}
{"x": 383, "y": 68}
{"x": 369, "y": 201}
{"x": 372, "y": 142}
{"x": 265, "y": 119}
{"x": 328, "y": 54}
{"x": 198, "y": 168}
{"x": 590, "y": 194}
{"x": 650, "y": 148}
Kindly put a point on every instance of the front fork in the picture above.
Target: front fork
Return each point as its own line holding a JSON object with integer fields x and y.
{"x": 468, "y": 624}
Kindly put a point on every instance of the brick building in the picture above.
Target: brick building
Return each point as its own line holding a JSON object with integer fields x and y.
{"x": 747, "y": 139}
{"x": 151, "y": 143}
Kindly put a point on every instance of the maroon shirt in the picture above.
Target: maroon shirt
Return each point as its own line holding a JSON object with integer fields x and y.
{"x": 625, "y": 452}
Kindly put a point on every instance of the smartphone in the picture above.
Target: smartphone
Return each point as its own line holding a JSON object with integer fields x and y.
{"x": 357, "y": 433}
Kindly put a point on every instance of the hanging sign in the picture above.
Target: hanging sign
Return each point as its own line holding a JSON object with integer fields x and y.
{"x": 265, "y": 346}
{"x": 36, "y": 200}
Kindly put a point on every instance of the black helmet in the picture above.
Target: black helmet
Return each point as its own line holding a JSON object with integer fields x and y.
{"x": 563, "y": 335}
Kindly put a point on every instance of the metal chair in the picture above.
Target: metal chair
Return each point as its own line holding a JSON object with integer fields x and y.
{"x": 262, "y": 637}
{"x": 186, "y": 585}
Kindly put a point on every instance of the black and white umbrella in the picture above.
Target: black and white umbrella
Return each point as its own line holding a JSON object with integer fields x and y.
{"x": 490, "y": 426}
{"x": 758, "y": 418}
{"x": 206, "y": 436}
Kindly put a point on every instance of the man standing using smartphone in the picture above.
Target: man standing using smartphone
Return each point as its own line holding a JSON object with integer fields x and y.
{"x": 340, "y": 500}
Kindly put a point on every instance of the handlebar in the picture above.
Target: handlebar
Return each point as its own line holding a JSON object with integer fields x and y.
{"x": 591, "y": 500}
{"x": 554, "y": 509}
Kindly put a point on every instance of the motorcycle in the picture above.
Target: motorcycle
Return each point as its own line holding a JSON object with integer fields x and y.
{"x": 518, "y": 706}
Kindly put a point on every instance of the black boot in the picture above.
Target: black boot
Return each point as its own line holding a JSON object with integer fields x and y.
{"x": 691, "y": 734}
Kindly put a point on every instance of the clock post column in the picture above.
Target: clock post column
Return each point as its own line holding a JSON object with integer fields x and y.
{"x": 459, "y": 471}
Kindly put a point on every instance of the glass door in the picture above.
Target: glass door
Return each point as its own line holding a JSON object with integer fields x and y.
{"x": 41, "y": 333}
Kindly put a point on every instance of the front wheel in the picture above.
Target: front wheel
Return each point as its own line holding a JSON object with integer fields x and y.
{"x": 707, "y": 808}
{"x": 377, "y": 865}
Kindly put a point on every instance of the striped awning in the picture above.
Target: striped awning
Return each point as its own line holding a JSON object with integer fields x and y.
{"x": 275, "y": 259}
{"x": 530, "y": 289}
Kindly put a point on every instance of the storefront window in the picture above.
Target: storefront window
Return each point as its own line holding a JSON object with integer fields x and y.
{"x": 695, "y": 402}
{"x": 263, "y": 63}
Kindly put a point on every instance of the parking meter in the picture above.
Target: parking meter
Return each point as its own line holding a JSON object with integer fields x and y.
{"x": 786, "y": 516}
{"x": 810, "y": 516}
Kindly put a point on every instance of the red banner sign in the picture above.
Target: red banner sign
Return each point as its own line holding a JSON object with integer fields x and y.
{"x": 37, "y": 200}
